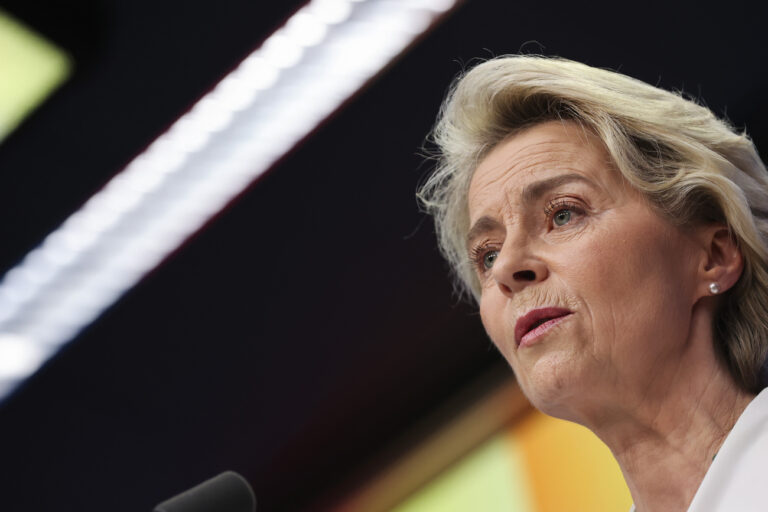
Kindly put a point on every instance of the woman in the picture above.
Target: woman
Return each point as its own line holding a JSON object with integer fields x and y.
{"x": 614, "y": 235}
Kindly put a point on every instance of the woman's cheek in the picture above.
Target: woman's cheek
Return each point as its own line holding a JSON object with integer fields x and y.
{"x": 491, "y": 315}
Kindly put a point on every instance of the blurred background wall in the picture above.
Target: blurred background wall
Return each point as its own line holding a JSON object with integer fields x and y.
{"x": 307, "y": 336}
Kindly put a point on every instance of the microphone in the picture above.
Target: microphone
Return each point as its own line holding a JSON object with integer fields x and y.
{"x": 227, "y": 492}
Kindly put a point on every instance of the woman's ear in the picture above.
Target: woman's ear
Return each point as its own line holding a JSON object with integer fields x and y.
{"x": 723, "y": 261}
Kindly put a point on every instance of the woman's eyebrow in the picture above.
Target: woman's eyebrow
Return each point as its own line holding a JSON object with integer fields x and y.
{"x": 481, "y": 226}
{"x": 533, "y": 191}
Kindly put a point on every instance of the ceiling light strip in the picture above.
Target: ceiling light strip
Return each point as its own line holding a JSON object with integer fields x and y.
{"x": 303, "y": 72}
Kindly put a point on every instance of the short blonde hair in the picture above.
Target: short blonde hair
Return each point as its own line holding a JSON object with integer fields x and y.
{"x": 690, "y": 165}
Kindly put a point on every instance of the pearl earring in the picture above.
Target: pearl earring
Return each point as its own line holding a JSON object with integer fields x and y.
{"x": 714, "y": 288}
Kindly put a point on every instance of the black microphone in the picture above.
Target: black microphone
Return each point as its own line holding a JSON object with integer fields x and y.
{"x": 227, "y": 492}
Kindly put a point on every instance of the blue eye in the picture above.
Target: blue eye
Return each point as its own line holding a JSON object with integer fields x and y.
{"x": 562, "y": 217}
{"x": 489, "y": 258}
{"x": 560, "y": 212}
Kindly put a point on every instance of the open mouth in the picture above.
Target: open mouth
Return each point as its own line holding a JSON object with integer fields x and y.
{"x": 537, "y": 322}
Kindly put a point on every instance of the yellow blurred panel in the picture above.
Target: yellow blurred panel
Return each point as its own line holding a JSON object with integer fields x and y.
{"x": 570, "y": 469}
{"x": 30, "y": 69}
{"x": 490, "y": 479}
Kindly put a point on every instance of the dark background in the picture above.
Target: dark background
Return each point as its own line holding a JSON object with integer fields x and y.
{"x": 309, "y": 326}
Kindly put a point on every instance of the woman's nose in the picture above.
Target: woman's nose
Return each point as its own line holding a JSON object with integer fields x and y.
{"x": 516, "y": 267}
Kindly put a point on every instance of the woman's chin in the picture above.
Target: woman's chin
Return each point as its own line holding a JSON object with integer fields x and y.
{"x": 554, "y": 385}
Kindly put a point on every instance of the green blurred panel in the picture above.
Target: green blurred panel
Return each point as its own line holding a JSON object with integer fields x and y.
{"x": 491, "y": 478}
{"x": 30, "y": 69}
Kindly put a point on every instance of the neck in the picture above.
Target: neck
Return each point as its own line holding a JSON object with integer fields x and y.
{"x": 664, "y": 449}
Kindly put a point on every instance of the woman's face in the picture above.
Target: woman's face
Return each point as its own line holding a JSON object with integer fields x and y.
{"x": 586, "y": 290}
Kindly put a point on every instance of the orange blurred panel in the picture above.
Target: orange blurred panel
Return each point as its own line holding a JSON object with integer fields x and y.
{"x": 570, "y": 469}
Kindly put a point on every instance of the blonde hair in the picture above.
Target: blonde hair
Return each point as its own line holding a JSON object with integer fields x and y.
{"x": 690, "y": 165}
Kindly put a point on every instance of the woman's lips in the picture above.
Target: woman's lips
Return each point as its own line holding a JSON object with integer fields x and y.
{"x": 536, "y": 322}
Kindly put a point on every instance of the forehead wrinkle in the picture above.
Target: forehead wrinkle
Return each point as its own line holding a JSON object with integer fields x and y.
{"x": 548, "y": 157}
{"x": 534, "y": 156}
